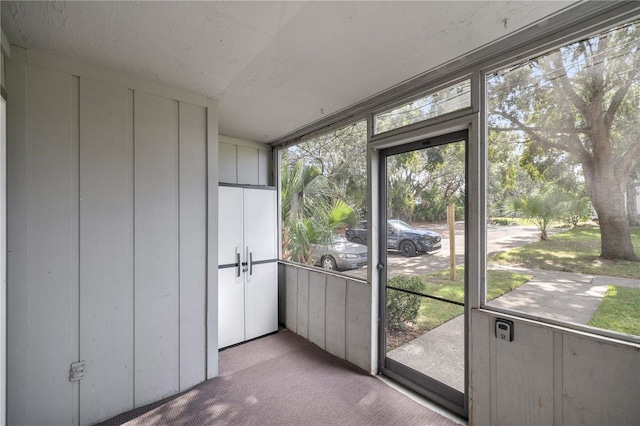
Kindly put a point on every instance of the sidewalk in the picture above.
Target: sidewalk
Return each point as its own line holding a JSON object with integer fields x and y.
{"x": 559, "y": 295}
{"x": 550, "y": 294}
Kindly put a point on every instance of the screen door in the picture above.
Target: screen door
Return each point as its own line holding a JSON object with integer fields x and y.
{"x": 424, "y": 285}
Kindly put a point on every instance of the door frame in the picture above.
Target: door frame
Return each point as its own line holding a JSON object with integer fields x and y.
{"x": 438, "y": 392}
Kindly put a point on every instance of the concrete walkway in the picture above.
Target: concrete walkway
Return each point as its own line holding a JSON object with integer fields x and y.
{"x": 559, "y": 295}
{"x": 550, "y": 294}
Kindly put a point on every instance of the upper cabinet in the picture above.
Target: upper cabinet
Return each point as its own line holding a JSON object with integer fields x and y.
{"x": 244, "y": 162}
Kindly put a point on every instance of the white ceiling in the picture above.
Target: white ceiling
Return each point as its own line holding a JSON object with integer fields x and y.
{"x": 273, "y": 66}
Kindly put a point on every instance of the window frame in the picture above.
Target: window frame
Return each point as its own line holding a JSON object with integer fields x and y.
{"x": 506, "y": 62}
{"x": 444, "y": 84}
{"x": 278, "y": 178}
{"x": 572, "y": 24}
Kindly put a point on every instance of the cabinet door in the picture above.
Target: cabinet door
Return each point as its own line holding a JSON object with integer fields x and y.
{"x": 260, "y": 224}
{"x": 261, "y": 300}
{"x": 230, "y": 307}
{"x": 230, "y": 233}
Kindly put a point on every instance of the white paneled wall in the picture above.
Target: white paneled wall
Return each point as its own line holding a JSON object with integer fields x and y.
{"x": 332, "y": 311}
{"x": 551, "y": 376}
{"x": 156, "y": 248}
{"x": 106, "y": 269}
{"x": 193, "y": 243}
{"x": 244, "y": 162}
{"x": 107, "y": 245}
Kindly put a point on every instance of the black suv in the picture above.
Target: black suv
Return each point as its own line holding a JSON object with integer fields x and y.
{"x": 400, "y": 236}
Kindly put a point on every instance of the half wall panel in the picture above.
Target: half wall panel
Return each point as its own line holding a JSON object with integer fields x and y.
{"x": 156, "y": 248}
{"x": 43, "y": 277}
{"x": 193, "y": 243}
{"x": 106, "y": 244}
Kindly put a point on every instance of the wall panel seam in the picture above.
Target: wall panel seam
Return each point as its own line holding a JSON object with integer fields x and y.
{"x": 179, "y": 264}
{"x": 346, "y": 319}
{"x": 76, "y": 144}
{"x": 132, "y": 99}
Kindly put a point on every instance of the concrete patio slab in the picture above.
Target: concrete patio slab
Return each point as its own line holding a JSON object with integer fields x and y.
{"x": 438, "y": 354}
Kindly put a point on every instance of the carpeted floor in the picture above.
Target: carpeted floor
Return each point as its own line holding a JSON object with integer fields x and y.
{"x": 283, "y": 379}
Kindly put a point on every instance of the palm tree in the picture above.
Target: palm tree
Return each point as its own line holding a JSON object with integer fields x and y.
{"x": 311, "y": 210}
{"x": 541, "y": 209}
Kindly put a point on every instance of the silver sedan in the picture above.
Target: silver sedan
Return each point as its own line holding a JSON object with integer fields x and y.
{"x": 339, "y": 254}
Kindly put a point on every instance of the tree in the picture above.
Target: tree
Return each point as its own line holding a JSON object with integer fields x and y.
{"x": 541, "y": 209}
{"x": 579, "y": 105}
{"x": 341, "y": 156}
{"x": 311, "y": 210}
{"x": 576, "y": 208}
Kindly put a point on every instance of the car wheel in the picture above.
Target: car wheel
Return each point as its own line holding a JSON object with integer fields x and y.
{"x": 329, "y": 263}
{"x": 357, "y": 241}
{"x": 407, "y": 248}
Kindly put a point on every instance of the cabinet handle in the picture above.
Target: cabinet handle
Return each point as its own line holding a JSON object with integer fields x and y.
{"x": 250, "y": 263}
{"x": 238, "y": 265}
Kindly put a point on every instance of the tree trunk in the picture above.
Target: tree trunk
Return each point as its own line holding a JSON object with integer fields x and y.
{"x": 632, "y": 203}
{"x": 608, "y": 200}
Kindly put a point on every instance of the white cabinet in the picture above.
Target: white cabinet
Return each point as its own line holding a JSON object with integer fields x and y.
{"x": 247, "y": 274}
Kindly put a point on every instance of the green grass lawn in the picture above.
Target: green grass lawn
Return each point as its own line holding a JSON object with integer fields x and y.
{"x": 619, "y": 311}
{"x": 434, "y": 312}
{"x": 575, "y": 250}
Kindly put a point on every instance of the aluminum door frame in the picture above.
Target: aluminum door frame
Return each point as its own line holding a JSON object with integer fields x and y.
{"x": 438, "y": 392}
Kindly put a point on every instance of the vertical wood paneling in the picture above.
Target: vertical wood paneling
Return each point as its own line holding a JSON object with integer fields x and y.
{"x": 227, "y": 170}
{"x": 17, "y": 243}
{"x": 524, "y": 376}
{"x": 601, "y": 382}
{"x": 156, "y": 248}
{"x": 247, "y": 165}
{"x": 330, "y": 311}
{"x": 71, "y": 168}
{"x": 212, "y": 238}
{"x": 479, "y": 382}
{"x": 52, "y": 217}
{"x": 558, "y": 385}
{"x": 291, "y": 299}
{"x": 358, "y": 324}
{"x": 317, "y": 294}
{"x": 106, "y": 244}
{"x": 264, "y": 171}
{"x": 302, "y": 326}
{"x": 3, "y": 249}
{"x": 75, "y": 228}
{"x": 336, "y": 316}
{"x": 282, "y": 292}
{"x": 193, "y": 227}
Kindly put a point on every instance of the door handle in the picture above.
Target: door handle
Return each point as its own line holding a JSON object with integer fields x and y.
{"x": 249, "y": 263}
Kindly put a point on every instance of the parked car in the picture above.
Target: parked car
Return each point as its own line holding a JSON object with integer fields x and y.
{"x": 357, "y": 235}
{"x": 339, "y": 254}
{"x": 401, "y": 236}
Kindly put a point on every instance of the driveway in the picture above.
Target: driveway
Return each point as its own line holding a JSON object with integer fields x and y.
{"x": 499, "y": 238}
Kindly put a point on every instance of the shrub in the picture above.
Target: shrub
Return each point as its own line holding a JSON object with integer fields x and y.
{"x": 403, "y": 307}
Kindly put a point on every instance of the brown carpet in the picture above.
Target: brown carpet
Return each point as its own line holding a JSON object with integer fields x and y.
{"x": 283, "y": 379}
